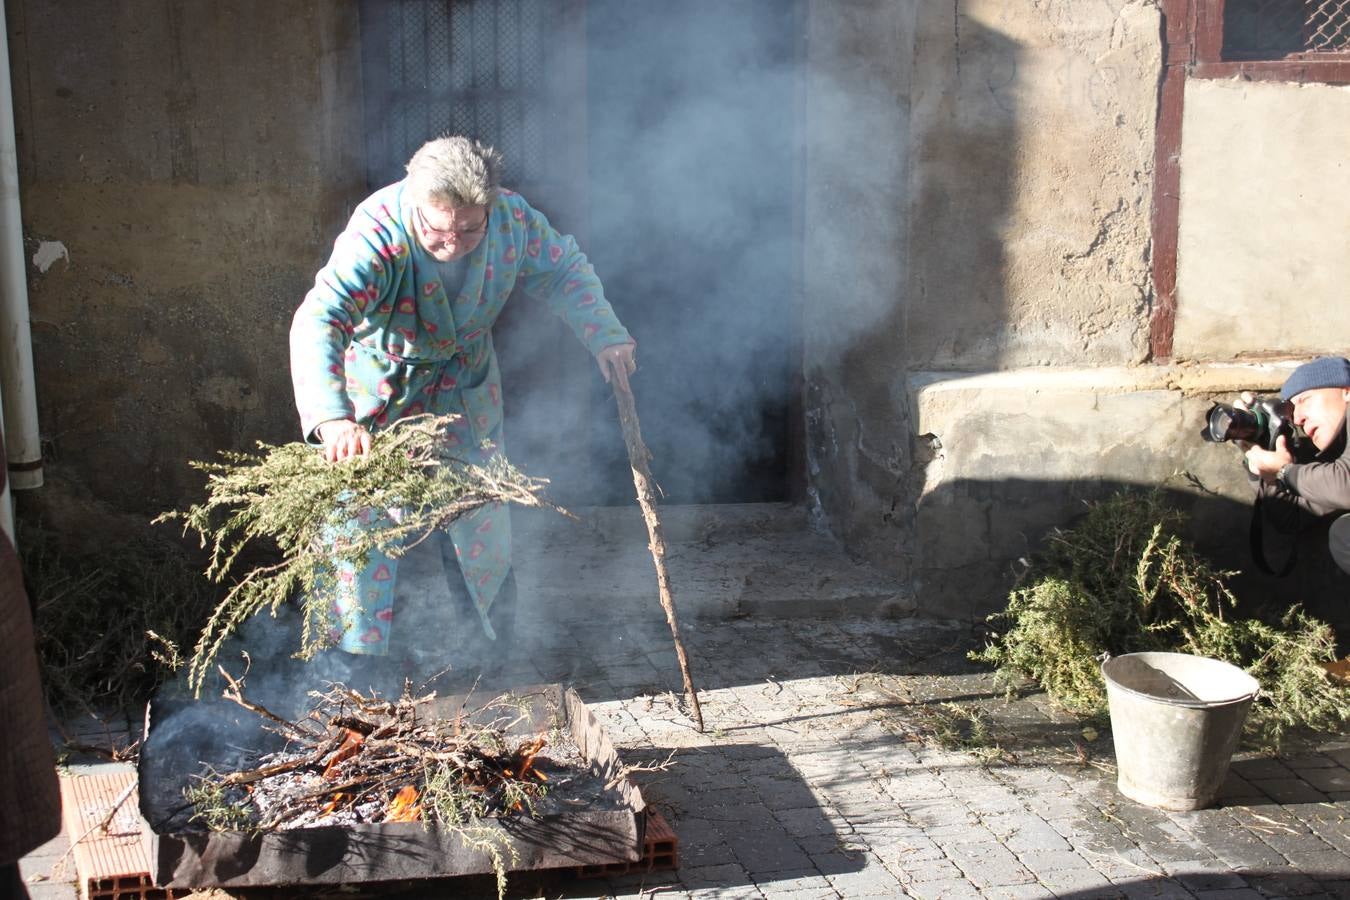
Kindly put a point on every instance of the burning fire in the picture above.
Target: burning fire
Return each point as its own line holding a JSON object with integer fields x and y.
{"x": 336, "y": 803}
{"x": 352, "y": 741}
{"x": 525, "y": 755}
{"x": 404, "y": 807}
{"x": 369, "y": 746}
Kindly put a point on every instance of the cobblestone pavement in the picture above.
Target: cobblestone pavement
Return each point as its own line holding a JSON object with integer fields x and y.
{"x": 833, "y": 767}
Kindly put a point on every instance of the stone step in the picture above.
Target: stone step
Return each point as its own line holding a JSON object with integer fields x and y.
{"x": 680, "y": 523}
{"x": 724, "y": 560}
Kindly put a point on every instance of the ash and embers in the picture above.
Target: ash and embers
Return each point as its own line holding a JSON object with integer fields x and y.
{"x": 357, "y": 758}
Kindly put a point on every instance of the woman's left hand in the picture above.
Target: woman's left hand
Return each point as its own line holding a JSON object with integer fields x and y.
{"x": 617, "y": 361}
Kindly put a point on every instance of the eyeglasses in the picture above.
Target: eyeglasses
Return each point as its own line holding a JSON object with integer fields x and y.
{"x": 476, "y": 231}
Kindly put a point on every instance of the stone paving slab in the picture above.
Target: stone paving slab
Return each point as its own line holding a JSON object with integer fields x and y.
{"x": 834, "y": 785}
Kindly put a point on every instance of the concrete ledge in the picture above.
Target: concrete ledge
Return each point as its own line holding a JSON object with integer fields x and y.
{"x": 1188, "y": 378}
{"x": 1005, "y": 456}
{"x": 1134, "y": 425}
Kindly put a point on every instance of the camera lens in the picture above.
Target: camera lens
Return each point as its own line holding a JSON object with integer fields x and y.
{"x": 1228, "y": 423}
{"x": 1220, "y": 420}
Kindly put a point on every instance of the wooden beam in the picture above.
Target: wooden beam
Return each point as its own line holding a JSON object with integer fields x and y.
{"x": 1178, "y": 52}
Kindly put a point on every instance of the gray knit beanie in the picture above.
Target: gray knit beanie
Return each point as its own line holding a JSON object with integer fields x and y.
{"x": 1323, "y": 372}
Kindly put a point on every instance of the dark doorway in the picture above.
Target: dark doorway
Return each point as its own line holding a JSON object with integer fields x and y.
{"x": 667, "y": 137}
{"x": 694, "y": 144}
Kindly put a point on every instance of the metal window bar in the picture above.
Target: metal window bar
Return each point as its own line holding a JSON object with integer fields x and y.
{"x": 1280, "y": 29}
{"x": 471, "y": 67}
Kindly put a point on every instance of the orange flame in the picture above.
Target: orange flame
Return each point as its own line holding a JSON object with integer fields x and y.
{"x": 352, "y": 741}
{"x": 526, "y": 754}
{"x": 338, "y": 799}
{"x": 404, "y": 807}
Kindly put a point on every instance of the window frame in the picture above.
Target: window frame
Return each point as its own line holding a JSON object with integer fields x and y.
{"x": 1193, "y": 48}
{"x": 1207, "y": 59}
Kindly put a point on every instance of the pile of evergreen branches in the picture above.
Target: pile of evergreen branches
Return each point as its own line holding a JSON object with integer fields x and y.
{"x": 109, "y": 621}
{"x": 1122, "y": 580}
{"x": 292, "y": 497}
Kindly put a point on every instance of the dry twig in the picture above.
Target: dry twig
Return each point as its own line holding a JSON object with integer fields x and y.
{"x": 374, "y": 759}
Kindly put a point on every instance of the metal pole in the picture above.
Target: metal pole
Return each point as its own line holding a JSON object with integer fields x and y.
{"x": 6, "y": 499}
{"x": 17, "y": 386}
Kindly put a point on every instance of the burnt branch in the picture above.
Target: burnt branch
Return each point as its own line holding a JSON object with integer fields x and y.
{"x": 362, "y": 758}
{"x": 234, "y": 693}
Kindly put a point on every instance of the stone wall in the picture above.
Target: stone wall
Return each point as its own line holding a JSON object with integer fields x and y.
{"x": 1030, "y": 190}
{"x": 1014, "y": 174}
{"x": 975, "y": 194}
{"x": 183, "y": 168}
{"x": 857, "y": 232}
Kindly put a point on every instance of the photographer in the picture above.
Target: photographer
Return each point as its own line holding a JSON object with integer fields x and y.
{"x": 1288, "y": 488}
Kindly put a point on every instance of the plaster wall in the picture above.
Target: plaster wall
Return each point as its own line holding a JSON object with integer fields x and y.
{"x": 992, "y": 213}
{"x": 1261, "y": 258}
{"x": 1032, "y": 142}
{"x": 193, "y": 160}
{"x": 857, "y": 121}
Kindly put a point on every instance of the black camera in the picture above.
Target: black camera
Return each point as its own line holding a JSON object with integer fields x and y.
{"x": 1265, "y": 421}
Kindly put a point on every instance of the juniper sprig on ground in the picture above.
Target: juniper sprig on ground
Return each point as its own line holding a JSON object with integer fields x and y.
{"x": 1122, "y": 580}
{"x": 290, "y": 496}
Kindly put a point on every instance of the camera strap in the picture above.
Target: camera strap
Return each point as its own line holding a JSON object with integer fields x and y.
{"x": 1257, "y": 537}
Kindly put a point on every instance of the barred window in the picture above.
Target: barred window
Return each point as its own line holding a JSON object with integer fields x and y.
{"x": 1285, "y": 29}
{"x": 470, "y": 67}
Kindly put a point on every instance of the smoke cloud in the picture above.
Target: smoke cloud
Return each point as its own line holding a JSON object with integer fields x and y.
{"x": 697, "y": 216}
{"x": 692, "y": 131}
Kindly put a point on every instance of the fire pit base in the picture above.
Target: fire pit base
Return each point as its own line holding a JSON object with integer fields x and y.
{"x": 596, "y": 834}
{"x": 660, "y": 852}
{"x": 110, "y": 864}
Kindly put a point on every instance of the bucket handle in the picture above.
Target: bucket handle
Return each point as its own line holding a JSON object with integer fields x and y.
{"x": 1105, "y": 656}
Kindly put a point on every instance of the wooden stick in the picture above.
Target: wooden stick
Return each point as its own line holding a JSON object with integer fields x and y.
{"x": 638, "y": 457}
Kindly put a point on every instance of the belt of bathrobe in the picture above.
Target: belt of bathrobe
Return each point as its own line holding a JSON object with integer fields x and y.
{"x": 408, "y": 360}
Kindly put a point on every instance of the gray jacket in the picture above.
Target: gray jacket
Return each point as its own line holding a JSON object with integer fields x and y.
{"x": 1319, "y": 487}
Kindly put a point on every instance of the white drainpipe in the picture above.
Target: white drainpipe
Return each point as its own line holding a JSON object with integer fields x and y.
{"x": 17, "y": 386}
{"x": 6, "y": 507}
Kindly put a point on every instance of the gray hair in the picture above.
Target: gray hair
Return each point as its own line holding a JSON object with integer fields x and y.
{"x": 455, "y": 171}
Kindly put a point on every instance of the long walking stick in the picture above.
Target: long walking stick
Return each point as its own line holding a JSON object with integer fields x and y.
{"x": 638, "y": 457}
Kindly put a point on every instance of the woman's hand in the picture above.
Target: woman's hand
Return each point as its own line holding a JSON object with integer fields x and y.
{"x": 616, "y": 361}
{"x": 343, "y": 439}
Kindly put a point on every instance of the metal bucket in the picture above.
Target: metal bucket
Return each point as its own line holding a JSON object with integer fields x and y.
{"x": 1176, "y": 720}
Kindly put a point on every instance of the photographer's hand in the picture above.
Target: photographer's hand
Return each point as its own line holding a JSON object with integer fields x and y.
{"x": 1266, "y": 464}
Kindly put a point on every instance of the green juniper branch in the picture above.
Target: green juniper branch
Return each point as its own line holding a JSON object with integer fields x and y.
{"x": 1122, "y": 580}
{"x": 291, "y": 496}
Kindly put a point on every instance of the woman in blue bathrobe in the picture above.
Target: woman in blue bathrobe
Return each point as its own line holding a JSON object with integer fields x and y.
{"x": 399, "y": 323}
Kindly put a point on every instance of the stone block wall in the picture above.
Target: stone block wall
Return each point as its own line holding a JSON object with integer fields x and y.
{"x": 183, "y": 170}
{"x": 1017, "y": 171}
